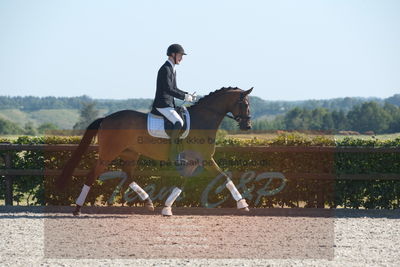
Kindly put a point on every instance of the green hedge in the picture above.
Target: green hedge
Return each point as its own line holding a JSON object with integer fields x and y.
{"x": 250, "y": 174}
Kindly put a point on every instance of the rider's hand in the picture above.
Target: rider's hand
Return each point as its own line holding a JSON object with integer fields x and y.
{"x": 188, "y": 98}
{"x": 194, "y": 96}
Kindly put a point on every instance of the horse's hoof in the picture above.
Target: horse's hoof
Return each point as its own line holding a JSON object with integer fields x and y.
{"x": 242, "y": 205}
{"x": 166, "y": 211}
{"x": 149, "y": 205}
{"x": 77, "y": 211}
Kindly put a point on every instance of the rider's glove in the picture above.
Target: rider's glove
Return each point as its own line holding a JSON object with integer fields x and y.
{"x": 194, "y": 96}
{"x": 189, "y": 98}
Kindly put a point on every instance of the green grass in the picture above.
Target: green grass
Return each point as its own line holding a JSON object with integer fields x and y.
{"x": 63, "y": 118}
{"x": 15, "y": 115}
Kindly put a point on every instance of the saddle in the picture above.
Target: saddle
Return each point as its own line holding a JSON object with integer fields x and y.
{"x": 161, "y": 127}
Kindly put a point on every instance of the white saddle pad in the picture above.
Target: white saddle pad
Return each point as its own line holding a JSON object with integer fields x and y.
{"x": 155, "y": 125}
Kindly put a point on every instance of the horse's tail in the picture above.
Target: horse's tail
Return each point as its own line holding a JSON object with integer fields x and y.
{"x": 90, "y": 133}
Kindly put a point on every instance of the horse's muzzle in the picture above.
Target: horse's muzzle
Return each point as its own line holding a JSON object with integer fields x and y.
{"x": 245, "y": 127}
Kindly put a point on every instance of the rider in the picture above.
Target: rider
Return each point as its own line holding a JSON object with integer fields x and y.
{"x": 166, "y": 91}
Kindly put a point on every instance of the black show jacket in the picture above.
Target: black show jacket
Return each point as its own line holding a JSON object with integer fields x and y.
{"x": 166, "y": 88}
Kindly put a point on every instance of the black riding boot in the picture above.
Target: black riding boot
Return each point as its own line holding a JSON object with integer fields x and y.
{"x": 175, "y": 141}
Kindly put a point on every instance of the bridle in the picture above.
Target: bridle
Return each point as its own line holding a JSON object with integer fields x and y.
{"x": 242, "y": 113}
{"x": 242, "y": 110}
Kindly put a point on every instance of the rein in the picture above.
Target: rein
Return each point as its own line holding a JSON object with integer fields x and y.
{"x": 237, "y": 118}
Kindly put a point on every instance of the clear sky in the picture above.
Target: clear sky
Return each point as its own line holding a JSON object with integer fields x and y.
{"x": 287, "y": 50}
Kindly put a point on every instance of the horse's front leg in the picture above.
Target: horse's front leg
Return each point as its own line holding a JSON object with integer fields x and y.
{"x": 128, "y": 170}
{"x": 215, "y": 170}
{"x": 130, "y": 162}
{"x": 167, "y": 210}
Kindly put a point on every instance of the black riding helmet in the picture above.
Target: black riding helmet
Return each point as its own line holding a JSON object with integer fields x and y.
{"x": 175, "y": 48}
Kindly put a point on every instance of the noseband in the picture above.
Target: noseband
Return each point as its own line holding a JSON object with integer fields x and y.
{"x": 242, "y": 113}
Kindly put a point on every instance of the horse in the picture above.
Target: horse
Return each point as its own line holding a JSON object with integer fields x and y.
{"x": 118, "y": 135}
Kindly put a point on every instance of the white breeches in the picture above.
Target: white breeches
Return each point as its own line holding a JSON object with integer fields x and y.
{"x": 171, "y": 114}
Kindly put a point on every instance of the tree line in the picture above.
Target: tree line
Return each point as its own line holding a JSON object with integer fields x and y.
{"x": 33, "y": 103}
{"x": 367, "y": 117}
{"x": 259, "y": 106}
{"x": 339, "y": 114}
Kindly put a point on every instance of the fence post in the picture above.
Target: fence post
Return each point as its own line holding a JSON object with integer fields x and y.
{"x": 9, "y": 181}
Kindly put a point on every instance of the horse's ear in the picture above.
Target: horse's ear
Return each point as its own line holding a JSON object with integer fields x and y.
{"x": 248, "y": 91}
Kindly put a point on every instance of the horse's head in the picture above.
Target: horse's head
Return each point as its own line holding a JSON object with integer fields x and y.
{"x": 223, "y": 101}
{"x": 240, "y": 109}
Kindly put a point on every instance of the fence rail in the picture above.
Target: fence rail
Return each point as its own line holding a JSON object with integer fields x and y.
{"x": 9, "y": 173}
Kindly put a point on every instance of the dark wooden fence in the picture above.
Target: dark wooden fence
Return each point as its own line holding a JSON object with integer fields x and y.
{"x": 9, "y": 173}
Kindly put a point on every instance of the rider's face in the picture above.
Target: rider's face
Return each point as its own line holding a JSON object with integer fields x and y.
{"x": 178, "y": 57}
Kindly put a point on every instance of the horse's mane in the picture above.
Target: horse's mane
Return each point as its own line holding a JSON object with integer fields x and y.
{"x": 216, "y": 92}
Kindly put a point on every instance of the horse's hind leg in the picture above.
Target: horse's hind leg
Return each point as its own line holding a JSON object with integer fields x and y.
{"x": 92, "y": 176}
{"x": 143, "y": 196}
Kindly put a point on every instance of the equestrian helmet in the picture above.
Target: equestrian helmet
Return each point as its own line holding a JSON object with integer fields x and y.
{"x": 175, "y": 48}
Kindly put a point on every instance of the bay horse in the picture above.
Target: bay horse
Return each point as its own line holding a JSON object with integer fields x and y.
{"x": 118, "y": 135}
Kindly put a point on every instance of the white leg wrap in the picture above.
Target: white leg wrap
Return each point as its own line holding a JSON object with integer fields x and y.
{"x": 174, "y": 194}
{"x": 166, "y": 211}
{"x": 82, "y": 197}
{"x": 241, "y": 204}
{"x": 232, "y": 188}
{"x": 142, "y": 194}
